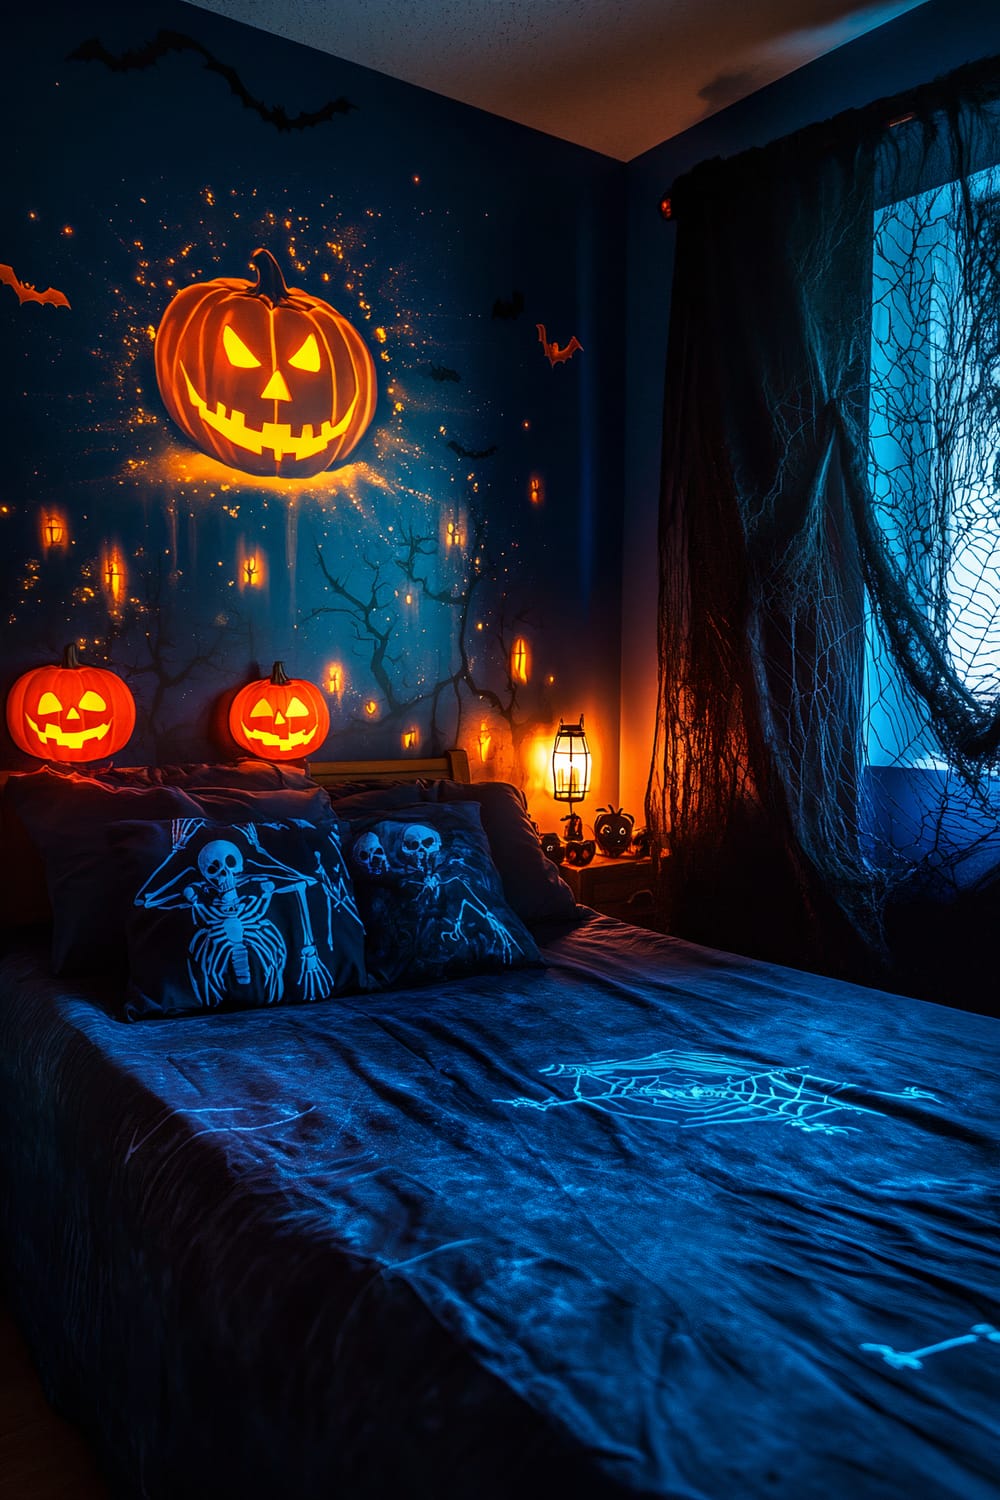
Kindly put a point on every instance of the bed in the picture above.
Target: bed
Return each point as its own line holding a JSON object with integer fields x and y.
{"x": 636, "y": 1218}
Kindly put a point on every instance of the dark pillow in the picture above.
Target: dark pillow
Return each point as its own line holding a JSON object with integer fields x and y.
{"x": 248, "y": 774}
{"x": 431, "y": 896}
{"x": 375, "y": 796}
{"x": 237, "y": 804}
{"x": 531, "y": 882}
{"x": 67, "y": 817}
{"x": 236, "y": 916}
{"x": 24, "y": 896}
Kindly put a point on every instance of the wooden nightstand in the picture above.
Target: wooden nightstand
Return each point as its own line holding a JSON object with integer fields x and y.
{"x": 622, "y": 888}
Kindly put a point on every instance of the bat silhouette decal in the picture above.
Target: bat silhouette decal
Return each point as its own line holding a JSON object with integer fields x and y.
{"x": 509, "y": 310}
{"x": 439, "y": 372}
{"x": 27, "y": 293}
{"x": 553, "y": 353}
{"x": 471, "y": 452}
{"x": 165, "y": 42}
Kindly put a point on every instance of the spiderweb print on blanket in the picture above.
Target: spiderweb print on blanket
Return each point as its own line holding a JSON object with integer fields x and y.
{"x": 700, "y": 1089}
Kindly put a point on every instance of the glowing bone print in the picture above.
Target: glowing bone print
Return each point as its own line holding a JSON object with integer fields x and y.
{"x": 229, "y": 884}
{"x": 914, "y": 1360}
{"x": 695, "y": 1089}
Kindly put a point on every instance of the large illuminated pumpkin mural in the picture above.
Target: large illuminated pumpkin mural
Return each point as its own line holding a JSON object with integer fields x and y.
{"x": 70, "y": 713}
{"x": 264, "y": 377}
{"x": 279, "y": 717}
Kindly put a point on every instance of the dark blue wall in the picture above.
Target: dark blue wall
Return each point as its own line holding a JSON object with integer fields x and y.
{"x": 137, "y": 172}
{"x": 923, "y": 44}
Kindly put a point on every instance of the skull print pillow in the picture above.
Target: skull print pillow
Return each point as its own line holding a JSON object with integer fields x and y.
{"x": 431, "y": 897}
{"x": 237, "y": 916}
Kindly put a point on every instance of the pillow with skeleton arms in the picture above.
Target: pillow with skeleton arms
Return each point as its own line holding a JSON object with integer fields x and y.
{"x": 431, "y": 897}
{"x": 56, "y": 824}
{"x": 237, "y": 916}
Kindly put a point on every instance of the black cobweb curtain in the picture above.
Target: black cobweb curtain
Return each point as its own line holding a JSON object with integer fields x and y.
{"x": 829, "y": 619}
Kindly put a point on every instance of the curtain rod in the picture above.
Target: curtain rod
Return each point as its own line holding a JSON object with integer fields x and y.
{"x": 666, "y": 202}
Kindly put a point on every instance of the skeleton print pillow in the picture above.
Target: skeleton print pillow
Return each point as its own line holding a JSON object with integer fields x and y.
{"x": 431, "y": 897}
{"x": 233, "y": 917}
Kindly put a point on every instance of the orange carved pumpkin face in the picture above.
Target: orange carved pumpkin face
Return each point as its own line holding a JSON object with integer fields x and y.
{"x": 278, "y": 717}
{"x": 264, "y": 377}
{"x": 70, "y": 713}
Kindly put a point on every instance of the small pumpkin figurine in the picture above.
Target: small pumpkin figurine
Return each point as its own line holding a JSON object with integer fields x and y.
{"x": 70, "y": 713}
{"x": 265, "y": 377}
{"x": 613, "y": 830}
{"x": 279, "y": 717}
{"x": 552, "y": 847}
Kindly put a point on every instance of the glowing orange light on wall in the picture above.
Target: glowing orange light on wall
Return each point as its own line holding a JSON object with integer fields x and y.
{"x": 536, "y": 490}
{"x": 279, "y": 717}
{"x": 266, "y": 378}
{"x": 55, "y": 532}
{"x": 70, "y": 713}
{"x": 519, "y": 661}
{"x": 251, "y": 564}
{"x": 335, "y": 679}
{"x": 485, "y": 741}
{"x": 454, "y": 533}
{"x": 113, "y": 577}
{"x": 371, "y": 708}
{"x": 411, "y": 739}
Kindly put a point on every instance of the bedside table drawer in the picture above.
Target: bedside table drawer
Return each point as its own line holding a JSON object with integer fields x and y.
{"x": 621, "y": 888}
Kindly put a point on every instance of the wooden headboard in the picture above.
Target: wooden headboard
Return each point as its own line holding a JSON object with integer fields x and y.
{"x": 453, "y": 765}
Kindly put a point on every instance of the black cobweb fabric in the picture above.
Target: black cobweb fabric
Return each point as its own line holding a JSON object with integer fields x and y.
{"x": 828, "y": 727}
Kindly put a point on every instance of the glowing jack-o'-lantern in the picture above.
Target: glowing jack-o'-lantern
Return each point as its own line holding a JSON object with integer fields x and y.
{"x": 264, "y": 377}
{"x": 279, "y": 717}
{"x": 70, "y": 713}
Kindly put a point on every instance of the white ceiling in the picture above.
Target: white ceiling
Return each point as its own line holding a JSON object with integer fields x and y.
{"x": 618, "y": 76}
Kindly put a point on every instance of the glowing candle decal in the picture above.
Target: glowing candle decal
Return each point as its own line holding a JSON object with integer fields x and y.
{"x": 251, "y": 563}
{"x": 411, "y": 738}
{"x": 335, "y": 678}
{"x": 113, "y": 577}
{"x": 519, "y": 660}
{"x": 485, "y": 741}
{"x": 536, "y": 490}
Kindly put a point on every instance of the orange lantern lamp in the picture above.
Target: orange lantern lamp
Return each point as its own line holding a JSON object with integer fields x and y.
{"x": 279, "y": 717}
{"x": 264, "y": 377}
{"x": 70, "y": 713}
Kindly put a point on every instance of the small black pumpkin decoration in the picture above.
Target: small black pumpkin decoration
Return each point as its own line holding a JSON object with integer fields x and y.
{"x": 552, "y": 847}
{"x": 579, "y": 851}
{"x": 613, "y": 830}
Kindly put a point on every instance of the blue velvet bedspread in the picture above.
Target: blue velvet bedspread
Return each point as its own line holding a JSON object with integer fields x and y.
{"x": 651, "y": 1221}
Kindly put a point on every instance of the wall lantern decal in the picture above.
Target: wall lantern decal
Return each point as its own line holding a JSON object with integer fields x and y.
{"x": 519, "y": 661}
{"x": 71, "y": 712}
{"x": 279, "y": 717}
{"x": 252, "y": 572}
{"x": 264, "y": 377}
{"x": 536, "y": 490}
{"x": 411, "y": 739}
{"x": 371, "y": 708}
{"x": 485, "y": 742}
{"x": 55, "y": 532}
{"x": 335, "y": 679}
